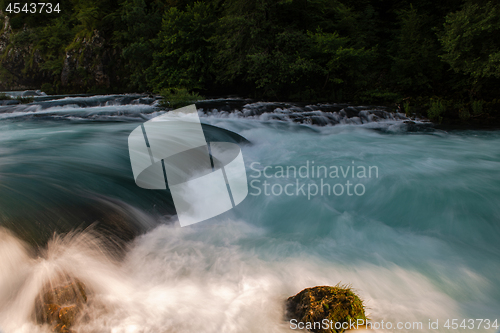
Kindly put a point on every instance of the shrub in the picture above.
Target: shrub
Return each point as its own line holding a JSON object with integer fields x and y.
{"x": 407, "y": 108}
{"x": 178, "y": 97}
{"x": 47, "y": 88}
{"x": 436, "y": 110}
{"x": 477, "y": 107}
{"x": 25, "y": 100}
{"x": 463, "y": 113}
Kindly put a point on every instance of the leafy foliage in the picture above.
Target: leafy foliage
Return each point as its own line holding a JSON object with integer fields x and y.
{"x": 178, "y": 97}
{"x": 470, "y": 40}
{"x": 416, "y": 67}
{"x": 140, "y": 22}
{"x": 184, "y": 53}
{"x": 436, "y": 110}
{"x": 366, "y": 51}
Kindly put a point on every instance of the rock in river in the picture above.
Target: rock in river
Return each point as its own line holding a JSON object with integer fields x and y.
{"x": 337, "y": 305}
{"x": 60, "y": 306}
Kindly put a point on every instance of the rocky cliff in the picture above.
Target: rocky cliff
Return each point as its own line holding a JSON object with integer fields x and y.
{"x": 88, "y": 62}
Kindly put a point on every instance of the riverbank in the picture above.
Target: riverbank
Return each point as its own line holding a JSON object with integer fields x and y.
{"x": 302, "y": 112}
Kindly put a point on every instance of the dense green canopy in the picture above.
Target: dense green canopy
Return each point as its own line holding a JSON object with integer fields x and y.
{"x": 373, "y": 51}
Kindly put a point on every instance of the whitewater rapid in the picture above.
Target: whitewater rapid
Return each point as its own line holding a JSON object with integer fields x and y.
{"x": 421, "y": 244}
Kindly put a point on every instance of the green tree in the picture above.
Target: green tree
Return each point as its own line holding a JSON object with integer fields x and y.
{"x": 184, "y": 55}
{"x": 140, "y": 22}
{"x": 470, "y": 39}
{"x": 415, "y": 54}
{"x": 344, "y": 62}
{"x": 291, "y": 47}
{"x": 53, "y": 40}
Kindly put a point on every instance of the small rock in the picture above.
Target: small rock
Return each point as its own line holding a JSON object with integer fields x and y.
{"x": 61, "y": 306}
{"x": 336, "y": 304}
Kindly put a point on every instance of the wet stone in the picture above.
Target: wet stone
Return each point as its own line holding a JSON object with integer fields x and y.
{"x": 61, "y": 306}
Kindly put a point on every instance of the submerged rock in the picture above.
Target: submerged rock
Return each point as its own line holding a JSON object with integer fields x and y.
{"x": 60, "y": 306}
{"x": 335, "y": 305}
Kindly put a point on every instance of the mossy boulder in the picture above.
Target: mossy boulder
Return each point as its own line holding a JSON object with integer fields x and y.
{"x": 337, "y": 304}
{"x": 60, "y": 306}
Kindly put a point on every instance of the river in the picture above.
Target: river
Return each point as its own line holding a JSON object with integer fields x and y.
{"x": 416, "y": 233}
